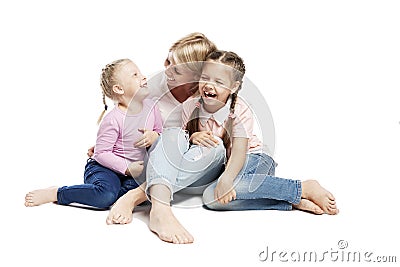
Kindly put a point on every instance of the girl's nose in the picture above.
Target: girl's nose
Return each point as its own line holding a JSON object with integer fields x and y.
{"x": 209, "y": 85}
{"x": 144, "y": 80}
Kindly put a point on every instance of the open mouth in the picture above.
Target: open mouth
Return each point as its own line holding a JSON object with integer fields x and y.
{"x": 170, "y": 79}
{"x": 209, "y": 95}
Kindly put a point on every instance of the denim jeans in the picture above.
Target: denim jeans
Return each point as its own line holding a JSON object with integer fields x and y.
{"x": 257, "y": 188}
{"x": 101, "y": 188}
{"x": 178, "y": 165}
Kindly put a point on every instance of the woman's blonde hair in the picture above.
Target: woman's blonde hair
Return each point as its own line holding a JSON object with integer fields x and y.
{"x": 108, "y": 79}
{"x": 192, "y": 48}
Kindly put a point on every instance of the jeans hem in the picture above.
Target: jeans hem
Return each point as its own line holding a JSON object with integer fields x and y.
{"x": 299, "y": 190}
{"x": 159, "y": 181}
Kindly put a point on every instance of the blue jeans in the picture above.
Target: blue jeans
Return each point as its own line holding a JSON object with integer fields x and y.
{"x": 257, "y": 188}
{"x": 101, "y": 188}
{"x": 178, "y": 165}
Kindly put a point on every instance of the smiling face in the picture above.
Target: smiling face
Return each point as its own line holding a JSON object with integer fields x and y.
{"x": 216, "y": 84}
{"x": 132, "y": 81}
{"x": 178, "y": 74}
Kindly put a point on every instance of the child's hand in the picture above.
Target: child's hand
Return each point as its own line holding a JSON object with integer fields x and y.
{"x": 204, "y": 138}
{"x": 90, "y": 152}
{"x": 147, "y": 139}
{"x": 135, "y": 169}
{"x": 224, "y": 191}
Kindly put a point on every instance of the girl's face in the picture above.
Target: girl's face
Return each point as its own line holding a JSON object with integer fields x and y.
{"x": 132, "y": 81}
{"x": 217, "y": 83}
{"x": 178, "y": 74}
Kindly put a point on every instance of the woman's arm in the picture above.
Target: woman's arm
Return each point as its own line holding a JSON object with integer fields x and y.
{"x": 224, "y": 191}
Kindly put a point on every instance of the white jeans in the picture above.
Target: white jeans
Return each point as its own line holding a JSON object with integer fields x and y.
{"x": 178, "y": 165}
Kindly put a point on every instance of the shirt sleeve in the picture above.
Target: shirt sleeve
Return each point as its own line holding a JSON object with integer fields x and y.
{"x": 107, "y": 137}
{"x": 243, "y": 123}
{"x": 158, "y": 123}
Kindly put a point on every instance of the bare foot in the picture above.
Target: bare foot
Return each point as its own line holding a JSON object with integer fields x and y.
{"x": 167, "y": 227}
{"x": 41, "y": 196}
{"x": 313, "y": 191}
{"x": 307, "y": 205}
{"x": 121, "y": 211}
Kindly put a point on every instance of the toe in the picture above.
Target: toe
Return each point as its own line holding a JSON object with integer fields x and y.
{"x": 189, "y": 238}
{"x": 167, "y": 238}
{"x": 117, "y": 218}
{"x": 125, "y": 220}
{"x": 318, "y": 210}
{"x": 332, "y": 211}
{"x": 109, "y": 220}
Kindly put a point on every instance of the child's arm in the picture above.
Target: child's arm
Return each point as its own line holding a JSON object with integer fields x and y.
{"x": 224, "y": 191}
{"x": 107, "y": 137}
{"x": 135, "y": 169}
{"x": 147, "y": 139}
{"x": 204, "y": 138}
{"x": 150, "y": 136}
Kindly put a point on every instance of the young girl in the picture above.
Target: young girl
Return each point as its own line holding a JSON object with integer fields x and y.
{"x": 248, "y": 181}
{"x": 116, "y": 162}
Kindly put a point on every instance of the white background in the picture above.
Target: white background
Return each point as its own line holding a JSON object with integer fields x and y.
{"x": 329, "y": 71}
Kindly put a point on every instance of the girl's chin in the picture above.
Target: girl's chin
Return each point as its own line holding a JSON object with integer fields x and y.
{"x": 212, "y": 101}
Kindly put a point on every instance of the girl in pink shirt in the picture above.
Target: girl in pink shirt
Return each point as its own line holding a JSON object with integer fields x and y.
{"x": 116, "y": 163}
{"x": 248, "y": 181}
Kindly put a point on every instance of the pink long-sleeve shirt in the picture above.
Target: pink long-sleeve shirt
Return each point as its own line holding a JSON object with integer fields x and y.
{"x": 118, "y": 132}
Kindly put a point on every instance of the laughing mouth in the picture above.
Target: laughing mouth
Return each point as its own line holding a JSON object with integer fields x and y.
{"x": 170, "y": 79}
{"x": 209, "y": 95}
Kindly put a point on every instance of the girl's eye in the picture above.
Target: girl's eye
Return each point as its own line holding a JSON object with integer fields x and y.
{"x": 219, "y": 82}
{"x": 203, "y": 78}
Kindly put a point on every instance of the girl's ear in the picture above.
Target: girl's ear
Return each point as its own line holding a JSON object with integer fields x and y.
{"x": 118, "y": 89}
{"x": 235, "y": 87}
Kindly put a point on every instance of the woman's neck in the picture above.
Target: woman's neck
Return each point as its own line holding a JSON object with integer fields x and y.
{"x": 184, "y": 91}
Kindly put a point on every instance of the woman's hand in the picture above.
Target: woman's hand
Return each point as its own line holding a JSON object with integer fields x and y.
{"x": 90, "y": 152}
{"x": 147, "y": 139}
{"x": 224, "y": 191}
{"x": 204, "y": 138}
{"x": 135, "y": 169}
